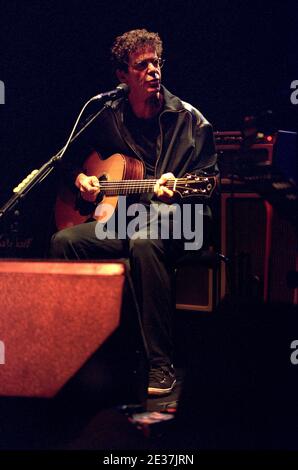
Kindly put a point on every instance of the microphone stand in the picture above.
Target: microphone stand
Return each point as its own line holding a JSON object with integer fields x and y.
{"x": 37, "y": 176}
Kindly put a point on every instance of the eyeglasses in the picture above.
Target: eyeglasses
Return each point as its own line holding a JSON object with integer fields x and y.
{"x": 144, "y": 64}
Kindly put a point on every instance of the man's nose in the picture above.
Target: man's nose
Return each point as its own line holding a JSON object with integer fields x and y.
{"x": 151, "y": 66}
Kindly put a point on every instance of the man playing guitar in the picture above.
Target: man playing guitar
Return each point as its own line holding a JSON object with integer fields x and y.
{"x": 170, "y": 138}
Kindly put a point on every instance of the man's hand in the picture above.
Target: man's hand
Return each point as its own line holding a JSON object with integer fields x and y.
{"x": 162, "y": 192}
{"x": 88, "y": 186}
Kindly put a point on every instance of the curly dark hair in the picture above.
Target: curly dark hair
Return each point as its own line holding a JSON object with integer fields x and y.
{"x": 130, "y": 42}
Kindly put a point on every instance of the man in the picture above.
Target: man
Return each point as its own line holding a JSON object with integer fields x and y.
{"x": 171, "y": 138}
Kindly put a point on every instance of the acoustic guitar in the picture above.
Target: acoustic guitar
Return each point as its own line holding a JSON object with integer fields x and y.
{"x": 120, "y": 175}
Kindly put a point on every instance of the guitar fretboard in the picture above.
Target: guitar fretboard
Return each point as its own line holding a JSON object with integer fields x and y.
{"x": 124, "y": 187}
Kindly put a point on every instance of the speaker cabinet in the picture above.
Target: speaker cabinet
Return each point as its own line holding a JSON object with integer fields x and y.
{"x": 54, "y": 316}
{"x": 283, "y": 261}
{"x": 246, "y": 240}
{"x": 262, "y": 247}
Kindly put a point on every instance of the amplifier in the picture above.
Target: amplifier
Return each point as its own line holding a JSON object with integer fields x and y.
{"x": 233, "y": 153}
{"x": 259, "y": 214}
{"x": 196, "y": 288}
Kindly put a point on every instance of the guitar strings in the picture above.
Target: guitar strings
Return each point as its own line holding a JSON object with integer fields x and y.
{"x": 135, "y": 186}
{"x": 148, "y": 182}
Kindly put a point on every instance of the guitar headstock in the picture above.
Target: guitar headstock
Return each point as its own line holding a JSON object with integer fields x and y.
{"x": 195, "y": 185}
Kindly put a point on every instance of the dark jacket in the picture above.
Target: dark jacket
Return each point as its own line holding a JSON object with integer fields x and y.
{"x": 185, "y": 144}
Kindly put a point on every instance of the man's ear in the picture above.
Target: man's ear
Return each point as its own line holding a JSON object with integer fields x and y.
{"x": 121, "y": 75}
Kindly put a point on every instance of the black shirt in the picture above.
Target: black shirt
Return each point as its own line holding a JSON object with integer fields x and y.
{"x": 144, "y": 132}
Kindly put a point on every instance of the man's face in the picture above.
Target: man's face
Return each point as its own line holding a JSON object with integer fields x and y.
{"x": 143, "y": 75}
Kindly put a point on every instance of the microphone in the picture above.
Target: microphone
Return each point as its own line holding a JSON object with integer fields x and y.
{"x": 121, "y": 90}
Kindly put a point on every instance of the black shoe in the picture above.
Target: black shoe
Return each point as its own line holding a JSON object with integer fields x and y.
{"x": 162, "y": 380}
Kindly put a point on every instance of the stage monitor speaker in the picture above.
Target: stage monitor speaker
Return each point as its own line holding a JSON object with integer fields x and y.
{"x": 54, "y": 316}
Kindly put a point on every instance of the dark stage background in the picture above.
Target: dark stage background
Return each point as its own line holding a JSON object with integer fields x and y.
{"x": 228, "y": 58}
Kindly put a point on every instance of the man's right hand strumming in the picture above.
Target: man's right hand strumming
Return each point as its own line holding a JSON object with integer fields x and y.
{"x": 89, "y": 187}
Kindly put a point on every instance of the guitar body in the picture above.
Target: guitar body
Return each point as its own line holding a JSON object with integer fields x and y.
{"x": 123, "y": 175}
{"x": 117, "y": 167}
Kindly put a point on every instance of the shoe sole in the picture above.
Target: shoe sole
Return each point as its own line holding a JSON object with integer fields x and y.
{"x": 161, "y": 391}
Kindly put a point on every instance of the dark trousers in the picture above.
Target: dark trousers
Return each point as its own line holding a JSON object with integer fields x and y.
{"x": 152, "y": 273}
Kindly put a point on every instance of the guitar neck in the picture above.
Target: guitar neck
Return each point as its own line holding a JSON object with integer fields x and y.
{"x": 187, "y": 186}
{"x": 124, "y": 187}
